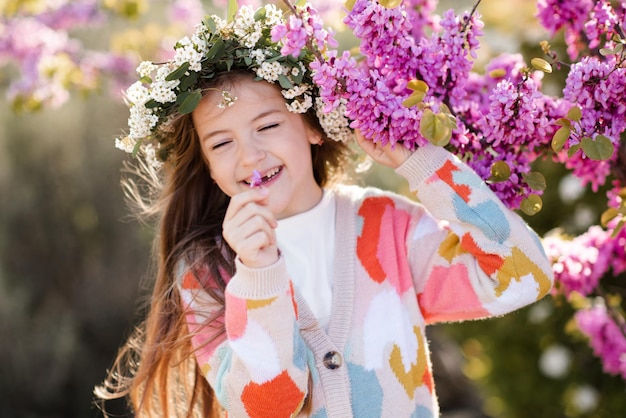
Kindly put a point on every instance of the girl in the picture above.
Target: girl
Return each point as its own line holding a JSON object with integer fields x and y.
{"x": 279, "y": 292}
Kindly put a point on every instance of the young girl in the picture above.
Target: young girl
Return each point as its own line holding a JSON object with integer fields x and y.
{"x": 279, "y": 292}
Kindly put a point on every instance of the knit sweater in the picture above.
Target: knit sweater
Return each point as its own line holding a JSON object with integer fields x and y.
{"x": 400, "y": 265}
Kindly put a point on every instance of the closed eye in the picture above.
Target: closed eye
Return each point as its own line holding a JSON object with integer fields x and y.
{"x": 219, "y": 144}
{"x": 270, "y": 126}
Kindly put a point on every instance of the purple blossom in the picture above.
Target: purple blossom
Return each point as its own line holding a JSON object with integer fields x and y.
{"x": 579, "y": 263}
{"x": 606, "y": 337}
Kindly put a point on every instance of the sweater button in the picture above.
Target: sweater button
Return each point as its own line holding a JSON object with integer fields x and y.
{"x": 332, "y": 360}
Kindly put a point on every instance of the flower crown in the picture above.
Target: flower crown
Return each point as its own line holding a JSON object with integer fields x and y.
{"x": 249, "y": 41}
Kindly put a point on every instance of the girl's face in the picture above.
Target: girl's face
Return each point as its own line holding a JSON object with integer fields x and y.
{"x": 259, "y": 133}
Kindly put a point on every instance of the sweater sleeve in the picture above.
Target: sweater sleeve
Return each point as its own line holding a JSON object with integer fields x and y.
{"x": 259, "y": 366}
{"x": 471, "y": 257}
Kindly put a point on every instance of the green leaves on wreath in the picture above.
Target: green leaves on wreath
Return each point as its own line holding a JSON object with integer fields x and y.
{"x": 531, "y": 205}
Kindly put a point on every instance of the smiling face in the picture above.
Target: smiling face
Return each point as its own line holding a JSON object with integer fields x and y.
{"x": 258, "y": 133}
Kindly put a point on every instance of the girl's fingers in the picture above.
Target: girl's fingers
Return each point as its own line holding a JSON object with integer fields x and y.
{"x": 248, "y": 203}
{"x": 390, "y": 155}
{"x": 249, "y": 228}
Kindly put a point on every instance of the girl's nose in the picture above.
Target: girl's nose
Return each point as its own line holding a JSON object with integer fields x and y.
{"x": 251, "y": 153}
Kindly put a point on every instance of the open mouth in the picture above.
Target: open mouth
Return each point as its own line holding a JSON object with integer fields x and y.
{"x": 258, "y": 180}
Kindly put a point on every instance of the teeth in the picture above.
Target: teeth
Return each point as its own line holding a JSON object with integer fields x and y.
{"x": 271, "y": 174}
{"x": 266, "y": 177}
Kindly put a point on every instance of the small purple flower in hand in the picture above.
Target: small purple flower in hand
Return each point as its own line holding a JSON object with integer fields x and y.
{"x": 256, "y": 179}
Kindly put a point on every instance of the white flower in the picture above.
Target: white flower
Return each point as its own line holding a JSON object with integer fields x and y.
{"x": 141, "y": 121}
{"x": 146, "y": 68}
{"x": 137, "y": 94}
{"x": 150, "y": 152}
{"x": 258, "y": 55}
{"x": 163, "y": 92}
{"x": 186, "y": 52}
{"x": 334, "y": 123}
{"x": 270, "y": 71}
{"x": 295, "y": 91}
{"x": 126, "y": 144}
{"x": 273, "y": 15}
{"x": 301, "y": 105}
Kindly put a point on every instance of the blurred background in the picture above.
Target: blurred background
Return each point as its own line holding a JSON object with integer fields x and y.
{"x": 74, "y": 266}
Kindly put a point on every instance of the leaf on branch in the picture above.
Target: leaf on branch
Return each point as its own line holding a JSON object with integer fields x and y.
{"x": 390, "y": 4}
{"x": 232, "y": 10}
{"x": 500, "y": 171}
{"x": 573, "y": 150}
{"x": 541, "y": 65}
{"x": 560, "y": 138}
{"x": 535, "y": 180}
{"x": 608, "y": 215}
{"x": 190, "y": 103}
{"x": 575, "y": 114}
{"x": 599, "y": 149}
{"x": 435, "y": 128}
{"x": 564, "y": 122}
{"x": 612, "y": 51}
{"x": 531, "y": 205}
{"x": 417, "y": 85}
{"x": 618, "y": 227}
{"x": 178, "y": 73}
{"x": 415, "y": 98}
{"x": 497, "y": 73}
{"x": 350, "y": 4}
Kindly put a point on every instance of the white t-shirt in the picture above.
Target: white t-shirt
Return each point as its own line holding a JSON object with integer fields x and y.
{"x": 307, "y": 241}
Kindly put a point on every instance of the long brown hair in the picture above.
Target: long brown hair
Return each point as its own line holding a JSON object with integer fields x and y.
{"x": 156, "y": 368}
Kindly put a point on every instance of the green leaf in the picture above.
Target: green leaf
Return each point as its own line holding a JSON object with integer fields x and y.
{"x": 434, "y": 128}
{"x": 575, "y": 114}
{"x": 500, "y": 171}
{"x": 415, "y": 98}
{"x": 535, "y": 180}
{"x": 216, "y": 50}
{"x": 259, "y": 14}
{"x": 599, "y": 149}
{"x": 560, "y": 138}
{"x": 145, "y": 79}
{"x": 618, "y": 227}
{"x": 232, "y": 10}
{"x": 573, "y": 150}
{"x": 350, "y": 4}
{"x": 190, "y": 103}
{"x": 136, "y": 148}
{"x": 182, "y": 97}
{"x": 151, "y": 104}
{"x": 284, "y": 82}
{"x": 210, "y": 23}
{"x": 612, "y": 51}
{"x": 541, "y": 65}
{"x": 417, "y": 85}
{"x": 390, "y": 4}
{"x": 188, "y": 81}
{"x": 564, "y": 122}
{"x": 531, "y": 205}
{"x": 608, "y": 215}
{"x": 178, "y": 73}
{"x": 497, "y": 73}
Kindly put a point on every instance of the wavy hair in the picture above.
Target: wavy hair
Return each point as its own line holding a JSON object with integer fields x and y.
{"x": 156, "y": 368}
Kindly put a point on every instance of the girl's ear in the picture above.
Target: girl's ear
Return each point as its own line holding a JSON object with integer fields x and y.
{"x": 315, "y": 138}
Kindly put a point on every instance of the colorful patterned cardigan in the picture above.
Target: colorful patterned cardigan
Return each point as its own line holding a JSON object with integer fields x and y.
{"x": 400, "y": 266}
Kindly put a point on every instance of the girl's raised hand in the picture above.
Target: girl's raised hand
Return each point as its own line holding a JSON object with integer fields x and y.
{"x": 385, "y": 155}
{"x": 249, "y": 228}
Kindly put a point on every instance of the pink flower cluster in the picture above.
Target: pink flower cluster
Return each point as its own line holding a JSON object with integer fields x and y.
{"x": 587, "y": 23}
{"x": 606, "y": 337}
{"x": 46, "y": 56}
{"x": 597, "y": 87}
{"x": 301, "y": 28}
{"x": 579, "y": 263}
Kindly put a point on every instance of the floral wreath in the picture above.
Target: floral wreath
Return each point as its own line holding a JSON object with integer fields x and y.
{"x": 252, "y": 40}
